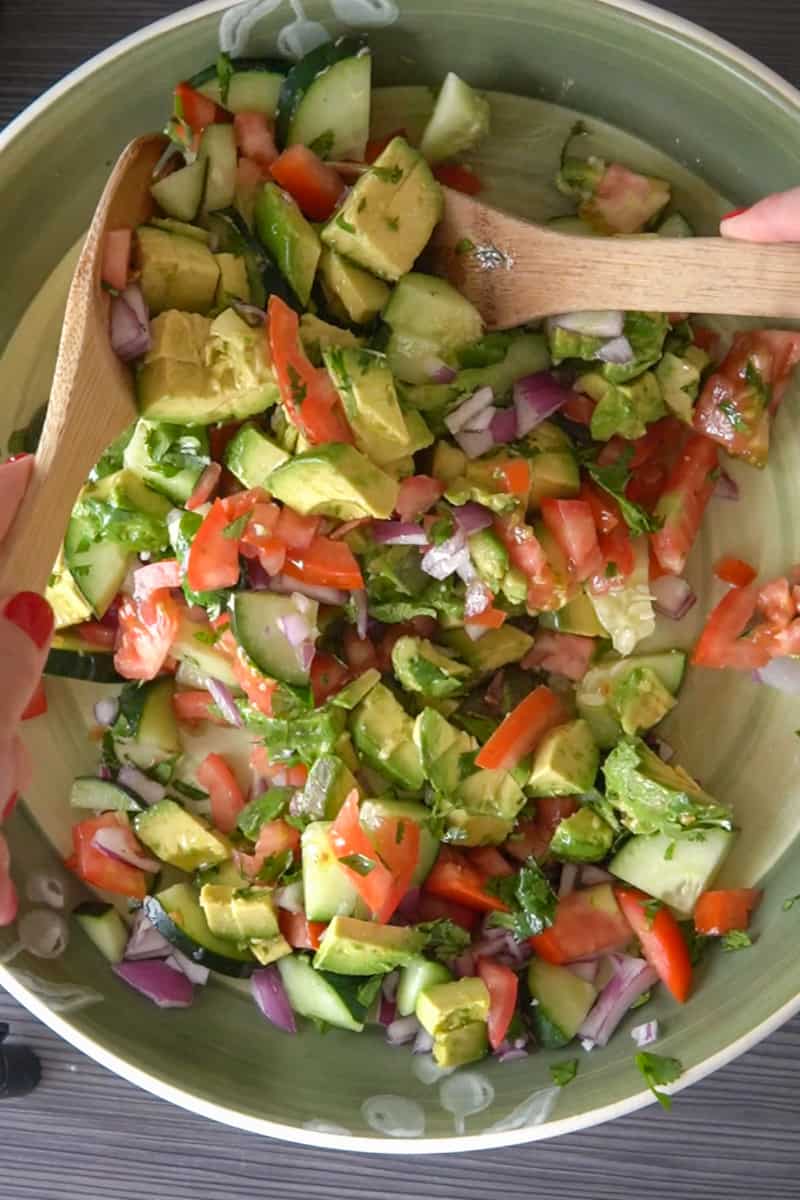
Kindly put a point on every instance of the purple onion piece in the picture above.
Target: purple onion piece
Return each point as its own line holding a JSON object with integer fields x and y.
{"x": 672, "y": 596}
{"x": 362, "y": 612}
{"x": 468, "y": 409}
{"x": 472, "y": 518}
{"x": 783, "y": 674}
{"x": 590, "y": 323}
{"x": 149, "y": 791}
{"x": 114, "y": 842}
{"x": 632, "y": 978}
{"x": 474, "y": 444}
{"x": 504, "y": 426}
{"x": 145, "y": 941}
{"x": 165, "y": 986}
{"x": 399, "y": 533}
{"x": 645, "y": 1034}
{"x": 106, "y": 711}
{"x": 223, "y": 698}
{"x": 618, "y": 351}
{"x": 569, "y": 877}
{"x": 194, "y": 972}
{"x": 726, "y": 488}
{"x": 387, "y": 1011}
{"x": 402, "y": 1031}
{"x": 285, "y": 586}
{"x": 250, "y": 313}
{"x": 537, "y": 397}
{"x": 270, "y": 996}
{"x": 591, "y": 875}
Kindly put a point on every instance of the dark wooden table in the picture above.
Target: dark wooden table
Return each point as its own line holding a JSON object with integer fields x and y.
{"x": 86, "y": 1135}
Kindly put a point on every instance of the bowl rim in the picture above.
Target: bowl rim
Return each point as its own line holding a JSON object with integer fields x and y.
{"x": 771, "y": 81}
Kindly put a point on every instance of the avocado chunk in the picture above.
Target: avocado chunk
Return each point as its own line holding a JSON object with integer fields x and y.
{"x": 566, "y": 761}
{"x": 469, "y": 1043}
{"x": 251, "y": 456}
{"x": 179, "y": 838}
{"x": 246, "y": 916}
{"x": 578, "y": 616}
{"x": 495, "y": 649}
{"x": 198, "y": 372}
{"x": 386, "y": 220}
{"x": 351, "y": 290}
{"x": 334, "y": 480}
{"x": 175, "y": 271}
{"x": 353, "y": 947}
{"x": 622, "y": 409}
{"x": 603, "y": 689}
{"x": 422, "y": 667}
{"x": 563, "y": 1001}
{"x": 641, "y": 700}
{"x": 675, "y": 868}
{"x": 168, "y": 458}
{"x": 292, "y": 243}
{"x": 654, "y": 797}
{"x": 317, "y": 336}
{"x": 233, "y": 281}
{"x": 489, "y": 557}
{"x": 383, "y": 733}
{"x": 582, "y": 838}
{"x": 353, "y": 693}
{"x": 447, "y": 1006}
{"x": 67, "y": 601}
{"x": 328, "y": 785}
{"x": 679, "y": 378}
{"x": 366, "y": 387}
{"x": 443, "y": 750}
{"x": 553, "y": 465}
{"x": 429, "y": 319}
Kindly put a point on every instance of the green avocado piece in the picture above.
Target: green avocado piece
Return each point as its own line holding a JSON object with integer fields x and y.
{"x": 563, "y": 1001}
{"x": 68, "y": 603}
{"x": 353, "y": 947}
{"x": 553, "y": 474}
{"x": 429, "y": 320}
{"x": 251, "y": 456}
{"x": 565, "y": 762}
{"x": 360, "y": 295}
{"x": 495, "y": 649}
{"x": 655, "y": 797}
{"x": 422, "y": 667}
{"x": 679, "y": 378}
{"x": 447, "y": 1006}
{"x": 389, "y": 215}
{"x": 239, "y": 913}
{"x": 233, "y": 281}
{"x": 641, "y": 700}
{"x": 353, "y": 693}
{"x": 597, "y": 693}
{"x": 489, "y": 557}
{"x": 567, "y": 343}
{"x": 442, "y": 749}
{"x": 449, "y": 463}
{"x": 578, "y": 616}
{"x": 317, "y": 336}
{"x": 216, "y": 903}
{"x": 457, "y": 1047}
{"x": 328, "y": 785}
{"x": 179, "y": 838}
{"x": 366, "y": 387}
{"x": 292, "y": 243}
{"x": 383, "y": 734}
{"x": 175, "y": 271}
{"x": 582, "y": 838}
{"x": 622, "y": 409}
{"x": 334, "y": 480}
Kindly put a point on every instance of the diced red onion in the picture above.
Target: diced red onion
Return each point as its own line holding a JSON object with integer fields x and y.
{"x": 362, "y": 612}
{"x": 569, "y": 877}
{"x": 290, "y": 897}
{"x": 591, "y": 875}
{"x": 390, "y": 984}
{"x": 618, "y": 351}
{"x": 461, "y": 416}
{"x": 504, "y": 426}
{"x": 194, "y": 972}
{"x": 443, "y": 560}
{"x": 130, "y": 326}
{"x": 149, "y": 791}
{"x": 250, "y": 313}
{"x": 477, "y": 599}
{"x": 387, "y": 1011}
{"x": 672, "y": 596}
{"x": 438, "y": 371}
{"x": 537, "y": 397}
{"x": 165, "y": 986}
{"x": 105, "y": 773}
{"x": 590, "y": 323}
{"x": 223, "y": 698}
{"x": 481, "y": 420}
{"x": 43, "y": 933}
{"x": 295, "y": 628}
{"x": 399, "y": 533}
{"x": 726, "y": 488}
{"x": 270, "y": 996}
{"x": 285, "y": 586}
{"x": 474, "y": 444}
{"x": 512, "y": 1055}
{"x": 402, "y": 1031}
{"x": 115, "y": 842}
{"x": 105, "y": 711}
{"x": 585, "y": 970}
{"x": 145, "y": 941}
{"x": 783, "y": 674}
{"x": 645, "y": 1034}
{"x": 423, "y": 1043}
{"x": 632, "y": 977}
{"x": 407, "y": 911}
{"x": 472, "y": 518}
{"x": 663, "y": 749}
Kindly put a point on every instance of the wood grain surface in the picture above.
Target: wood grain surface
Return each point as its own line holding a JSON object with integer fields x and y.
{"x": 87, "y": 1135}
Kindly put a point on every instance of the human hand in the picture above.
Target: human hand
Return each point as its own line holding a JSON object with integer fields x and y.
{"x": 776, "y": 218}
{"x": 26, "y": 626}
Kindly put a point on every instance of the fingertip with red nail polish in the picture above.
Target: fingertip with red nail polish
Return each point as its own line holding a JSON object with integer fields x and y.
{"x": 31, "y": 613}
{"x": 736, "y": 212}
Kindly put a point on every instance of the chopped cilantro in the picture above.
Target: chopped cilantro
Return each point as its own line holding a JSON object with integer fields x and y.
{"x": 323, "y": 144}
{"x": 362, "y": 204}
{"x": 400, "y": 833}
{"x": 236, "y": 528}
{"x": 612, "y": 570}
{"x": 640, "y": 1000}
{"x": 651, "y": 910}
{"x": 276, "y": 867}
{"x": 393, "y": 223}
{"x": 446, "y": 940}
{"x": 658, "y": 1069}
{"x": 206, "y": 637}
{"x": 790, "y": 902}
{"x": 298, "y": 387}
{"x": 388, "y": 174}
{"x": 696, "y": 943}
{"x": 188, "y": 790}
{"x": 737, "y": 939}
{"x": 224, "y": 74}
{"x": 614, "y": 478}
{"x": 729, "y": 409}
{"x": 669, "y": 853}
{"x": 755, "y": 380}
{"x": 344, "y": 224}
{"x": 564, "y": 1072}
{"x": 464, "y": 246}
{"x": 529, "y": 896}
{"x": 358, "y": 863}
{"x": 369, "y": 990}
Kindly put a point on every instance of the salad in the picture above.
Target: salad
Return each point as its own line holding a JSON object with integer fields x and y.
{"x": 377, "y": 587}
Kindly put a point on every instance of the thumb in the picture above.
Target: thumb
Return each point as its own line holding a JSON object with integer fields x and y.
{"x": 773, "y": 219}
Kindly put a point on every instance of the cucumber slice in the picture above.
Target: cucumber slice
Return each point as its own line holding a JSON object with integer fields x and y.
{"x": 321, "y": 995}
{"x": 325, "y": 100}
{"x": 562, "y": 1000}
{"x": 182, "y": 229}
{"x": 158, "y": 729}
{"x": 207, "y": 83}
{"x": 179, "y": 194}
{"x": 593, "y": 696}
{"x": 415, "y": 976}
{"x": 218, "y": 147}
{"x": 673, "y": 869}
{"x": 163, "y": 474}
{"x": 234, "y": 237}
{"x": 70, "y": 662}
{"x": 103, "y": 796}
{"x": 106, "y": 928}
{"x": 255, "y": 90}
{"x": 459, "y": 120}
{"x": 255, "y": 617}
{"x": 206, "y": 660}
{"x": 291, "y": 241}
{"x": 179, "y": 838}
{"x": 177, "y": 915}
{"x": 98, "y": 568}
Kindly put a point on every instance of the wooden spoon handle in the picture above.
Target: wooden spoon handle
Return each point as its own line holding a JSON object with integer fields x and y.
{"x": 697, "y": 275}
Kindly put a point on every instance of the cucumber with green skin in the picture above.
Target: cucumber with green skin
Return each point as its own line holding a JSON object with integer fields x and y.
{"x": 325, "y": 100}
{"x": 192, "y": 936}
{"x": 103, "y": 796}
{"x": 95, "y": 667}
{"x": 265, "y": 279}
{"x": 253, "y": 84}
{"x": 321, "y": 995}
{"x": 105, "y": 927}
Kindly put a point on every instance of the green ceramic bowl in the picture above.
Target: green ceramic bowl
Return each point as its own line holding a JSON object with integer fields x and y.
{"x": 718, "y": 125}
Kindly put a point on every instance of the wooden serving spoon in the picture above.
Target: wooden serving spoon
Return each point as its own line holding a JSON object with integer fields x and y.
{"x": 92, "y": 398}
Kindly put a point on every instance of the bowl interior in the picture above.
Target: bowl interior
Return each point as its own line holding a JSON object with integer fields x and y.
{"x": 689, "y": 111}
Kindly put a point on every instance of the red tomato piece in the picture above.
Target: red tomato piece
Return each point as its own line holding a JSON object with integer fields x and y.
{"x": 99, "y": 869}
{"x": 226, "y": 797}
{"x": 325, "y": 563}
{"x": 397, "y": 843}
{"x": 515, "y": 476}
{"x": 376, "y": 146}
{"x": 95, "y": 633}
{"x": 624, "y": 201}
{"x": 490, "y": 618}
{"x": 458, "y": 177}
{"x": 417, "y": 494}
{"x": 605, "y": 510}
{"x": 490, "y": 861}
{"x": 454, "y": 878}
{"x": 572, "y": 525}
{"x": 328, "y": 676}
{"x": 115, "y": 264}
{"x": 258, "y": 688}
{"x": 734, "y": 571}
{"x": 275, "y": 837}
{"x": 147, "y": 629}
{"x": 522, "y": 730}
{"x": 316, "y": 187}
{"x": 214, "y": 555}
{"x": 662, "y": 942}
{"x": 254, "y": 138}
{"x": 721, "y": 645}
{"x": 296, "y": 531}
{"x": 194, "y": 706}
{"x": 682, "y": 503}
{"x": 300, "y": 933}
{"x": 565, "y": 654}
{"x": 433, "y": 908}
{"x": 503, "y": 986}
{"x": 37, "y": 705}
{"x": 588, "y": 923}
{"x": 532, "y": 838}
{"x": 526, "y": 553}
{"x": 618, "y": 557}
{"x": 219, "y": 437}
{"x": 311, "y": 401}
{"x": 372, "y": 880}
{"x": 198, "y": 110}
{"x": 359, "y": 652}
{"x": 579, "y": 408}
{"x": 718, "y": 913}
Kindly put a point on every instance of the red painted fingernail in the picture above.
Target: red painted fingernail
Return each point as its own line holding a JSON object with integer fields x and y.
{"x": 32, "y": 614}
{"x": 11, "y": 804}
{"x": 737, "y": 212}
{"x": 17, "y": 457}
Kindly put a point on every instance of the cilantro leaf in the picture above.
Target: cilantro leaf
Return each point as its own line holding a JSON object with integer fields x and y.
{"x": 344, "y": 224}
{"x": 529, "y": 896}
{"x": 236, "y": 528}
{"x": 790, "y": 902}
{"x": 358, "y": 863}
{"x": 369, "y": 989}
{"x": 651, "y": 910}
{"x": 564, "y": 1072}
{"x": 755, "y": 380}
{"x": 297, "y": 386}
{"x": 614, "y": 478}
{"x": 658, "y": 1069}
{"x": 446, "y": 940}
{"x": 388, "y": 174}
{"x": 696, "y": 943}
{"x": 737, "y": 939}
{"x": 323, "y": 143}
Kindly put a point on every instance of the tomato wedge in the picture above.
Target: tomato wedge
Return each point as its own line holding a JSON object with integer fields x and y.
{"x": 662, "y": 942}
{"x": 298, "y": 532}
{"x": 315, "y": 186}
{"x": 275, "y": 837}
{"x": 257, "y": 687}
{"x": 454, "y": 878}
{"x": 526, "y": 553}
{"x": 214, "y": 555}
{"x": 147, "y": 629}
{"x": 325, "y": 563}
{"x": 567, "y": 654}
{"x": 397, "y": 842}
{"x": 254, "y": 138}
{"x": 434, "y": 908}
{"x": 194, "y": 706}
{"x": 515, "y": 476}
{"x": 490, "y": 861}
{"x": 416, "y": 495}
{"x": 99, "y": 869}
{"x": 718, "y": 913}
{"x": 522, "y": 730}
{"x": 198, "y": 110}
{"x": 588, "y": 923}
{"x": 311, "y": 401}
{"x": 300, "y": 933}
{"x": 683, "y": 501}
{"x": 459, "y": 178}
{"x": 503, "y": 986}
{"x": 227, "y": 800}
{"x": 490, "y": 618}
{"x": 328, "y": 676}
{"x": 359, "y": 860}
{"x": 571, "y": 523}
{"x": 721, "y": 645}
{"x": 533, "y": 838}
{"x": 734, "y": 571}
